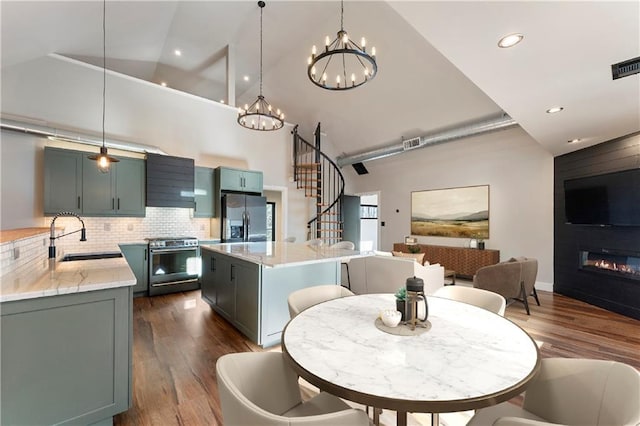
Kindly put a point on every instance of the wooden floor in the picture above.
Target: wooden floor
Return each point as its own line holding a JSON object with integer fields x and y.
{"x": 178, "y": 338}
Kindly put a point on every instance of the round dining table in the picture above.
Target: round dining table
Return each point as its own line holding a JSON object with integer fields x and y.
{"x": 467, "y": 358}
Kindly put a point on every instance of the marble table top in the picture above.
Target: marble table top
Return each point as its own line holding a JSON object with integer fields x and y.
{"x": 278, "y": 253}
{"x": 468, "y": 359}
{"x": 55, "y": 278}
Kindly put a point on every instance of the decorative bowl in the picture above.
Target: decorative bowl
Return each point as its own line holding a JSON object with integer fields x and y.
{"x": 390, "y": 317}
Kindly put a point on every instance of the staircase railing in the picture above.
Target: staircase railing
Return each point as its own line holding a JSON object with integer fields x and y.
{"x": 321, "y": 179}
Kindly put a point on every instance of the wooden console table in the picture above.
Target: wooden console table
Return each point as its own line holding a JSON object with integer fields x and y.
{"x": 464, "y": 261}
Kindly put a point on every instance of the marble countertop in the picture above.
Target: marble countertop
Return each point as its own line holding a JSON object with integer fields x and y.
{"x": 56, "y": 278}
{"x": 468, "y": 358}
{"x": 279, "y": 254}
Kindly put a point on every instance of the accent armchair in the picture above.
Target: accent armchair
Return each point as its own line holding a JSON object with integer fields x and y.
{"x": 514, "y": 279}
{"x": 259, "y": 388}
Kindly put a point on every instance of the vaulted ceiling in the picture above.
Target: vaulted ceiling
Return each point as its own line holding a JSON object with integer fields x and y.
{"x": 439, "y": 63}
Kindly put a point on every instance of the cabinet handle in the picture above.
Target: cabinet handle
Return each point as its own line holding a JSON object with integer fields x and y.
{"x": 118, "y": 203}
{"x": 78, "y": 201}
{"x": 232, "y": 274}
{"x": 145, "y": 255}
{"x": 213, "y": 264}
{"x": 113, "y": 204}
{"x": 195, "y": 206}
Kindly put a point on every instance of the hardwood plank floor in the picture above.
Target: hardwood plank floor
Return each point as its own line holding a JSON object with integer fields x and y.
{"x": 178, "y": 338}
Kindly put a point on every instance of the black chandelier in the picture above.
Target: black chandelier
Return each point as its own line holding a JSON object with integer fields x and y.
{"x": 103, "y": 159}
{"x": 352, "y": 66}
{"x": 260, "y": 115}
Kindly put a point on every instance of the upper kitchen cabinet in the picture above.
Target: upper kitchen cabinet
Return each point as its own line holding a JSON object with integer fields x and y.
{"x": 203, "y": 192}
{"x": 236, "y": 180}
{"x": 62, "y": 181}
{"x": 119, "y": 192}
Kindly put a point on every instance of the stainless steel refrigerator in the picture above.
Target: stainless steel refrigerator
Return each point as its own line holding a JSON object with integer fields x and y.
{"x": 244, "y": 218}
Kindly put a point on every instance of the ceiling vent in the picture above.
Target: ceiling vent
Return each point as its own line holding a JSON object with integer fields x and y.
{"x": 412, "y": 143}
{"x": 626, "y": 68}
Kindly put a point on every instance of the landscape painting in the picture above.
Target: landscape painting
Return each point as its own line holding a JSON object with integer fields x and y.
{"x": 453, "y": 212}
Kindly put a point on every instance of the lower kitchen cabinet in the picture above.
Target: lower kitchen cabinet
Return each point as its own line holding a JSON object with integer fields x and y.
{"x": 253, "y": 297}
{"x": 138, "y": 260}
{"x": 66, "y": 359}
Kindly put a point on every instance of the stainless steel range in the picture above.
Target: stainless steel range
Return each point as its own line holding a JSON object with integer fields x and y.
{"x": 174, "y": 264}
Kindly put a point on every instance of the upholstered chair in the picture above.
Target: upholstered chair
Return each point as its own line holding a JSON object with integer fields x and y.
{"x": 346, "y": 245}
{"x": 474, "y": 296}
{"x": 514, "y": 279}
{"x": 260, "y": 388}
{"x": 304, "y": 298}
{"x": 316, "y": 242}
{"x": 572, "y": 392}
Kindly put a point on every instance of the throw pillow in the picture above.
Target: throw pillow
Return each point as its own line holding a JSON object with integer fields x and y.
{"x": 418, "y": 257}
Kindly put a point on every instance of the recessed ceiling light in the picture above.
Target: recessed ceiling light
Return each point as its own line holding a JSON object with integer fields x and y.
{"x": 163, "y": 84}
{"x": 555, "y": 109}
{"x": 246, "y": 78}
{"x": 510, "y": 40}
{"x": 177, "y": 52}
{"x": 576, "y": 140}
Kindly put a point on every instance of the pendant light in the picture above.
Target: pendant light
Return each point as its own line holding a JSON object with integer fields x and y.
{"x": 260, "y": 115}
{"x": 353, "y": 65}
{"x": 103, "y": 159}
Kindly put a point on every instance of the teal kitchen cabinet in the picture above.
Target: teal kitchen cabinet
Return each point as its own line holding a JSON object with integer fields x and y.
{"x": 232, "y": 287}
{"x": 239, "y": 180}
{"x": 74, "y": 183}
{"x": 204, "y": 192}
{"x": 138, "y": 260}
{"x": 62, "y": 181}
{"x": 118, "y": 192}
{"x": 252, "y": 296}
{"x": 66, "y": 359}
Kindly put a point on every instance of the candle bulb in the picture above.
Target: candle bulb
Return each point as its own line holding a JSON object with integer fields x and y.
{"x": 363, "y": 42}
{"x": 353, "y": 79}
{"x": 313, "y": 51}
{"x": 324, "y": 78}
{"x": 373, "y": 51}
{"x": 338, "y": 80}
{"x": 313, "y": 72}
{"x": 327, "y": 41}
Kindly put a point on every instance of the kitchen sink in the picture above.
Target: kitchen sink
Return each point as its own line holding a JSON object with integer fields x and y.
{"x": 91, "y": 256}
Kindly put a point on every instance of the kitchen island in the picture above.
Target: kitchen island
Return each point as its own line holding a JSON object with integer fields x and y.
{"x": 66, "y": 339}
{"x": 248, "y": 283}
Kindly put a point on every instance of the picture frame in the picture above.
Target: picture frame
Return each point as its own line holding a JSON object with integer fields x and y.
{"x": 461, "y": 212}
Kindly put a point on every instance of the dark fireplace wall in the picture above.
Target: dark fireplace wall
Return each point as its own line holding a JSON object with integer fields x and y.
{"x": 616, "y": 294}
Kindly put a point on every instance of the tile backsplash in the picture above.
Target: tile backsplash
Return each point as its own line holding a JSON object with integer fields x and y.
{"x": 105, "y": 233}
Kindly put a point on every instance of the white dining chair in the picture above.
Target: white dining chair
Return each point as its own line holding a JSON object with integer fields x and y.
{"x": 346, "y": 245}
{"x": 260, "y": 388}
{"x": 316, "y": 242}
{"x": 569, "y": 391}
{"x": 304, "y": 298}
{"x": 474, "y": 296}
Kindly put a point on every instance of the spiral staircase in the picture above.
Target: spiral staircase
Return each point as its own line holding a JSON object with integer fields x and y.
{"x": 320, "y": 179}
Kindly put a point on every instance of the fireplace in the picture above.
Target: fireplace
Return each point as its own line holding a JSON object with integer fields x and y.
{"x": 622, "y": 264}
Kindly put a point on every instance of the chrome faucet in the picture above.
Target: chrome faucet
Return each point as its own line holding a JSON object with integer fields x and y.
{"x": 52, "y": 232}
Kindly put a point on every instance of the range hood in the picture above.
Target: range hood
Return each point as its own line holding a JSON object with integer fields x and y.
{"x": 170, "y": 181}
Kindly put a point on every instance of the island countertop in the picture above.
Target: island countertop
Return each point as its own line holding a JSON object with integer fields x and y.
{"x": 277, "y": 254}
{"x": 65, "y": 278}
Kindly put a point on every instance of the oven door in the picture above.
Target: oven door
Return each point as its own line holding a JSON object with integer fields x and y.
{"x": 172, "y": 267}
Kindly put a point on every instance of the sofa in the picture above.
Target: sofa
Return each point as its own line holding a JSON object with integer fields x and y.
{"x": 386, "y": 274}
{"x": 514, "y": 279}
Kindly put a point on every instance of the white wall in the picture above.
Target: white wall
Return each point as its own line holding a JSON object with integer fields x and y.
{"x": 517, "y": 169}
{"x": 68, "y": 94}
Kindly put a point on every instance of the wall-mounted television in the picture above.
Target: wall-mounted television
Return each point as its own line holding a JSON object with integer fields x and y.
{"x": 608, "y": 199}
